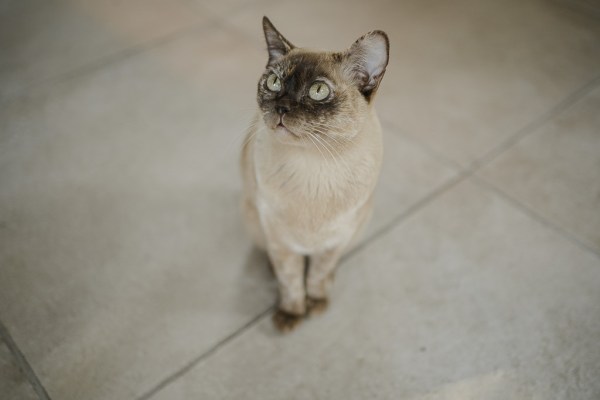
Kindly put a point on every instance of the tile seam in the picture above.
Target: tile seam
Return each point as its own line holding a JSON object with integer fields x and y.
{"x": 436, "y": 155}
{"x": 90, "y": 67}
{"x": 254, "y": 321}
{"x": 472, "y": 171}
{"x": 198, "y": 359}
{"x": 534, "y": 125}
{"x": 116, "y": 57}
{"x": 23, "y": 364}
{"x": 533, "y": 214}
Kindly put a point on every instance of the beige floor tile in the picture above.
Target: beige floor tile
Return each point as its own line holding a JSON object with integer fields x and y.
{"x": 330, "y": 25}
{"x": 123, "y": 248}
{"x": 463, "y": 76}
{"x": 407, "y": 176}
{"x": 468, "y": 299}
{"x": 471, "y": 75}
{"x": 556, "y": 170}
{"x": 225, "y": 8}
{"x": 42, "y": 39}
{"x": 13, "y": 384}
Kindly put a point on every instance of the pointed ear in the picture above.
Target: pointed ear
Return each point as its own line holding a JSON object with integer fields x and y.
{"x": 277, "y": 45}
{"x": 366, "y": 61}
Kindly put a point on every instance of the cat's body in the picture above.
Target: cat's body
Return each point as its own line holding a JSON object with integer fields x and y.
{"x": 309, "y": 200}
{"x": 310, "y": 163}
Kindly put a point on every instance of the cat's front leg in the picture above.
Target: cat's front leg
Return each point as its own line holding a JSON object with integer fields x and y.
{"x": 289, "y": 269}
{"x": 320, "y": 278}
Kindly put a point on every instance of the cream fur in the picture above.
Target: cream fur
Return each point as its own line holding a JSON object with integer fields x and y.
{"x": 298, "y": 201}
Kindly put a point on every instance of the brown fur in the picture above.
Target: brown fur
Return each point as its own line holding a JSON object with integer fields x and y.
{"x": 310, "y": 167}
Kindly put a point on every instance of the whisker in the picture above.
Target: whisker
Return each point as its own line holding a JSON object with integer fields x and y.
{"x": 338, "y": 159}
{"x": 327, "y": 132}
{"x": 243, "y": 136}
{"x": 313, "y": 142}
{"x": 348, "y": 168}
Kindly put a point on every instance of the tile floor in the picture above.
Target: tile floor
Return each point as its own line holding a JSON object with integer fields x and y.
{"x": 124, "y": 269}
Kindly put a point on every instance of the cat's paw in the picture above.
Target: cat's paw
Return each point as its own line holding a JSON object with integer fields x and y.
{"x": 316, "y": 306}
{"x": 286, "y": 322}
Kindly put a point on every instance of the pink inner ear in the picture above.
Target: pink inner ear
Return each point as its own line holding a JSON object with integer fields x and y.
{"x": 374, "y": 58}
{"x": 368, "y": 58}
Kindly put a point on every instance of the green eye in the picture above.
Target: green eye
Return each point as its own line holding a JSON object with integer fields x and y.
{"x": 319, "y": 91}
{"x": 273, "y": 83}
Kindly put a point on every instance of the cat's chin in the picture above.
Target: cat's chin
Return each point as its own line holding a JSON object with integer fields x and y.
{"x": 282, "y": 130}
{"x": 285, "y": 135}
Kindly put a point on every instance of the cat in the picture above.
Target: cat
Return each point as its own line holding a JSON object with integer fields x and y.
{"x": 310, "y": 163}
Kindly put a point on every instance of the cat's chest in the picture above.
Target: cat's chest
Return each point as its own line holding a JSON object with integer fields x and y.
{"x": 315, "y": 184}
{"x": 310, "y": 205}
{"x": 307, "y": 211}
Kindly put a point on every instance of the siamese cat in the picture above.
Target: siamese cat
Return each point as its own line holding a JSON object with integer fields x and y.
{"x": 310, "y": 163}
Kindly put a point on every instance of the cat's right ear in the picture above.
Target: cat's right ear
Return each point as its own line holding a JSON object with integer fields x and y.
{"x": 366, "y": 61}
{"x": 277, "y": 45}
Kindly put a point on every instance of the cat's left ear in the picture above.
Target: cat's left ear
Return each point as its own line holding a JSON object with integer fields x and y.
{"x": 277, "y": 45}
{"x": 366, "y": 61}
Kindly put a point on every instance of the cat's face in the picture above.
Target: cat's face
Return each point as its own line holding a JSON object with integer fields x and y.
{"x": 306, "y": 93}
{"x": 308, "y": 97}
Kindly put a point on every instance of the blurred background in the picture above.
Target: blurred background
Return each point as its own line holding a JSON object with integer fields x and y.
{"x": 124, "y": 269}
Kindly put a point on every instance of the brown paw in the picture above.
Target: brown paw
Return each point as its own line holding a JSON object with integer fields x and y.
{"x": 286, "y": 322}
{"x": 316, "y": 306}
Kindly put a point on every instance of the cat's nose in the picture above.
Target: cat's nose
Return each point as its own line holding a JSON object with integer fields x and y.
{"x": 282, "y": 109}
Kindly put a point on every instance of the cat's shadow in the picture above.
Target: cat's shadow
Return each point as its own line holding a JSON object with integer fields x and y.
{"x": 257, "y": 284}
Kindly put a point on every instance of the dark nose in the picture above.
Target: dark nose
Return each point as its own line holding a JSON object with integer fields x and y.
{"x": 282, "y": 109}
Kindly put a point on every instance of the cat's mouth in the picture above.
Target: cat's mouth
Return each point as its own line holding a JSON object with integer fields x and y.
{"x": 281, "y": 128}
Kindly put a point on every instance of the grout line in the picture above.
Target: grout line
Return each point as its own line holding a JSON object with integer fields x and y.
{"x": 411, "y": 210}
{"x": 534, "y": 125}
{"x": 120, "y": 55}
{"x": 510, "y": 141}
{"x": 436, "y": 155}
{"x": 214, "y": 20}
{"x": 22, "y": 363}
{"x": 470, "y": 172}
{"x": 414, "y": 208}
{"x": 486, "y": 184}
{"x": 177, "y": 374}
{"x": 395, "y": 221}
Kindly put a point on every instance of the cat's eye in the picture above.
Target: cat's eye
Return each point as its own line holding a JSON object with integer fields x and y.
{"x": 319, "y": 91}
{"x": 273, "y": 83}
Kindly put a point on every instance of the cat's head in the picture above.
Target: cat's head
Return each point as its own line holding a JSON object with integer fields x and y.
{"x": 303, "y": 93}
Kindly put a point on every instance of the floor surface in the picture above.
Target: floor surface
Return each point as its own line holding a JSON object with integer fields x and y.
{"x": 125, "y": 272}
